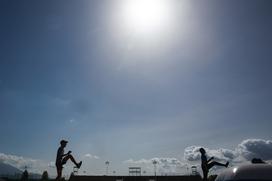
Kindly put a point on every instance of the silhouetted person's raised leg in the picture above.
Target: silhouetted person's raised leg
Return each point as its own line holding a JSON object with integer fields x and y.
{"x": 213, "y": 163}
{"x": 66, "y": 158}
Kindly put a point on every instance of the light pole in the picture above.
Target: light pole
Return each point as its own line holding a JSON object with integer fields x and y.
{"x": 155, "y": 166}
{"x": 107, "y": 167}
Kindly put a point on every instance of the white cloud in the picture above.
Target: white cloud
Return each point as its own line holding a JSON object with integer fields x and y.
{"x": 191, "y": 153}
{"x": 88, "y": 155}
{"x": 51, "y": 164}
{"x": 33, "y": 165}
{"x": 141, "y": 161}
{"x": 255, "y": 148}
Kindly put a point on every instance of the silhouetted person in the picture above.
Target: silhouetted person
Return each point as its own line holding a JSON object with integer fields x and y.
{"x": 63, "y": 158}
{"x": 257, "y": 160}
{"x": 24, "y": 176}
{"x": 208, "y": 164}
{"x": 45, "y": 176}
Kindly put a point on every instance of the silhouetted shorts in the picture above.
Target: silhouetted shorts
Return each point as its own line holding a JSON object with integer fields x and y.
{"x": 59, "y": 164}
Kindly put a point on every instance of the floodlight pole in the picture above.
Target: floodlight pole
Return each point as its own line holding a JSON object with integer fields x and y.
{"x": 155, "y": 166}
{"x": 107, "y": 167}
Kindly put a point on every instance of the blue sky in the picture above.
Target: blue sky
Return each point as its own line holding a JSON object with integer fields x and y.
{"x": 69, "y": 70}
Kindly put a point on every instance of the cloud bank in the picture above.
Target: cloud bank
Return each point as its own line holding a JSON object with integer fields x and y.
{"x": 36, "y": 165}
{"x": 245, "y": 151}
{"x": 33, "y": 165}
{"x": 255, "y": 148}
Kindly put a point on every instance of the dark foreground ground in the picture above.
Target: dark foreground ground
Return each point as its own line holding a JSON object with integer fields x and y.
{"x": 125, "y": 178}
{"x": 135, "y": 178}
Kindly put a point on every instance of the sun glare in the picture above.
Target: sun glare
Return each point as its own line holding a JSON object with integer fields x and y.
{"x": 143, "y": 16}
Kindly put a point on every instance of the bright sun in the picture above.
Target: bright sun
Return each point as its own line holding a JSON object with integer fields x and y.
{"x": 145, "y": 16}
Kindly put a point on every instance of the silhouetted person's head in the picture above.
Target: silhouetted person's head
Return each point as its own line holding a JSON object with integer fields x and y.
{"x": 202, "y": 150}
{"x": 63, "y": 143}
{"x": 257, "y": 160}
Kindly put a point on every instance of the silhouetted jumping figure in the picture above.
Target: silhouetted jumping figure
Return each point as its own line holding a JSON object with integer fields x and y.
{"x": 63, "y": 158}
{"x": 208, "y": 164}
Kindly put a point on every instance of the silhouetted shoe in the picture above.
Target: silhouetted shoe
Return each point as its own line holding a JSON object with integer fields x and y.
{"x": 227, "y": 164}
{"x": 79, "y": 164}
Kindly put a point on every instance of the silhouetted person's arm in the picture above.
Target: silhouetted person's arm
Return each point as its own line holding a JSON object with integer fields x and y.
{"x": 210, "y": 159}
{"x": 68, "y": 153}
